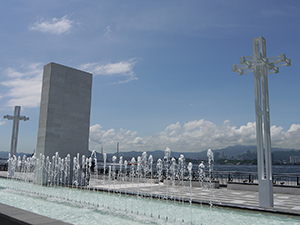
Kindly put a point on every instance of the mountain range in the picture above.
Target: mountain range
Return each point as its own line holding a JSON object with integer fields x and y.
{"x": 231, "y": 152}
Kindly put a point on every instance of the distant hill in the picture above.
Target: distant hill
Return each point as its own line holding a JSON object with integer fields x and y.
{"x": 231, "y": 152}
{"x": 284, "y": 155}
{"x": 234, "y": 151}
{"x": 4, "y": 155}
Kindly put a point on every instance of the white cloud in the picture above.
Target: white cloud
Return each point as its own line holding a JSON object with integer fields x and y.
{"x": 192, "y": 136}
{"x": 24, "y": 84}
{"x": 289, "y": 139}
{"x": 54, "y": 26}
{"x": 109, "y": 138}
{"x": 294, "y": 127}
{"x": 175, "y": 126}
{"x": 24, "y": 88}
{"x": 123, "y": 69}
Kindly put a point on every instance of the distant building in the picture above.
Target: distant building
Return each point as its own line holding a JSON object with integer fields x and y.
{"x": 222, "y": 156}
{"x": 294, "y": 159}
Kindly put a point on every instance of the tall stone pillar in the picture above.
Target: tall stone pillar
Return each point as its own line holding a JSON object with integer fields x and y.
{"x": 64, "y": 112}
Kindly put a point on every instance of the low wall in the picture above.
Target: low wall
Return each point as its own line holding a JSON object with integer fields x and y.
{"x": 280, "y": 189}
{"x": 195, "y": 183}
{"x": 13, "y": 216}
{"x": 214, "y": 184}
{"x": 128, "y": 179}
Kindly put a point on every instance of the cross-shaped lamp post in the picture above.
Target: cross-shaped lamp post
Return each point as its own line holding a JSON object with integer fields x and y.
{"x": 14, "y": 138}
{"x": 260, "y": 65}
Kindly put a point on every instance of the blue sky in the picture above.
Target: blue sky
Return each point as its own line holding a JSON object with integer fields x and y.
{"x": 162, "y": 69}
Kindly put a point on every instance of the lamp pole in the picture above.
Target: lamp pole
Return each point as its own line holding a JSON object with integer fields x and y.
{"x": 260, "y": 65}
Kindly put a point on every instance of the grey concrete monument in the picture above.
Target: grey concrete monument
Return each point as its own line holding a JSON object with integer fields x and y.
{"x": 64, "y": 111}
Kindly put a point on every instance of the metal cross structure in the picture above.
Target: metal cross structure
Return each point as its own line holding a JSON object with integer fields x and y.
{"x": 15, "y": 130}
{"x": 260, "y": 65}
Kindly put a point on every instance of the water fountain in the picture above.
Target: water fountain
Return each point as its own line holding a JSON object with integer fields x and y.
{"x": 140, "y": 195}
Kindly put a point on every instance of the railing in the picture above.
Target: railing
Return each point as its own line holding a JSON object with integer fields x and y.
{"x": 287, "y": 179}
{"x": 224, "y": 177}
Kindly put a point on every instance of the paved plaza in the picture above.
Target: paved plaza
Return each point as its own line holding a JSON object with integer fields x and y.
{"x": 283, "y": 203}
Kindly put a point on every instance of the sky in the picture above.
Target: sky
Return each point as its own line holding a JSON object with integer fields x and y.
{"x": 161, "y": 69}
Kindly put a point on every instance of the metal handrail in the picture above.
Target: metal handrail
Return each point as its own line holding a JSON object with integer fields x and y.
{"x": 283, "y": 179}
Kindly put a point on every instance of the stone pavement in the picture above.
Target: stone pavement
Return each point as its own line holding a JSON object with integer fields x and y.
{"x": 283, "y": 203}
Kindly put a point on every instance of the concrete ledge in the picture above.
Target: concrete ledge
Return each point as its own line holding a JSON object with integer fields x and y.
{"x": 292, "y": 190}
{"x": 242, "y": 186}
{"x": 14, "y": 216}
{"x": 205, "y": 184}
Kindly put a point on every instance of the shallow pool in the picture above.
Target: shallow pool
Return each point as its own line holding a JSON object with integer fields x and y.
{"x": 91, "y": 207}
